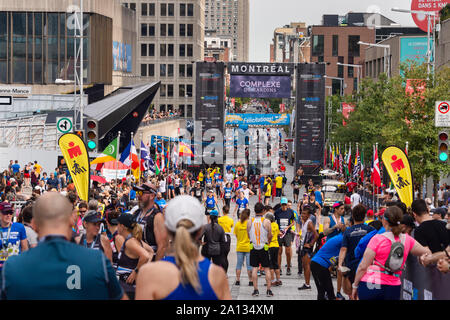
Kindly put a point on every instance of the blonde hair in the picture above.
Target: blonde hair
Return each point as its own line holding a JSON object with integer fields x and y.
{"x": 186, "y": 253}
{"x": 136, "y": 232}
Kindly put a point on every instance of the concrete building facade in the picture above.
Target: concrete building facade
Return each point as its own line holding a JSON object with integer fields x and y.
{"x": 230, "y": 18}
{"x": 170, "y": 38}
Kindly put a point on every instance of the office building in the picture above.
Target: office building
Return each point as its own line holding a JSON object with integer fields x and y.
{"x": 170, "y": 38}
{"x": 290, "y": 44}
{"x": 230, "y": 18}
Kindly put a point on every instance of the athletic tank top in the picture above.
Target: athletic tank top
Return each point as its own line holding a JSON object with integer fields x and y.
{"x": 96, "y": 244}
{"x": 187, "y": 292}
{"x": 258, "y": 234}
{"x": 306, "y": 235}
{"x": 125, "y": 264}
{"x": 228, "y": 192}
{"x": 313, "y": 207}
{"x": 332, "y": 224}
{"x": 210, "y": 202}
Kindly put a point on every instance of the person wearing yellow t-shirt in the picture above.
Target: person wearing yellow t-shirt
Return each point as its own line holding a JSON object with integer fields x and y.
{"x": 278, "y": 186}
{"x": 37, "y": 167}
{"x": 200, "y": 178}
{"x": 226, "y": 223}
{"x": 268, "y": 192}
{"x": 242, "y": 247}
{"x": 273, "y": 250}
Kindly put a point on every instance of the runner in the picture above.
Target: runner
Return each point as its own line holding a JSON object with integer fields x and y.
{"x": 115, "y": 239}
{"x": 213, "y": 240}
{"x": 243, "y": 247}
{"x": 132, "y": 254}
{"x": 308, "y": 238}
{"x": 226, "y": 223}
{"x": 197, "y": 192}
{"x": 93, "y": 239}
{"x": 227, "y": 194}
{"x": 296, "y": 184}
{"x": 285, "y": 219}
{"x": 273, "y": 250}
{"x": 185, "y": 274}
{"x": 241, "y": 204}
{"x": 210, "y": 203}
{"x": 260, "y": 235}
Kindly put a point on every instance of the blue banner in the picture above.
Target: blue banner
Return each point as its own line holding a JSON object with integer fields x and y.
{"x": 248, "y": 119}
{"x": 414, "y": 48}
{"x": 260, "y": 86}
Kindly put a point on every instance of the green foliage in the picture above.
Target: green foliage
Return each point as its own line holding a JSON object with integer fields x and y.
{"x": 387, "y": 115}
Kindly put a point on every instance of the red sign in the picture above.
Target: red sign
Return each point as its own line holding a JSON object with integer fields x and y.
{"x": 443, "y": 107}
{"x": 421, "y": 20}
{"x": 282, "y": 108}
{"x": 346, "y": 109}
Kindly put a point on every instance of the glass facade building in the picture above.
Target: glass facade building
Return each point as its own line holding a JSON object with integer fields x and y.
{"x": 38, "y": 47}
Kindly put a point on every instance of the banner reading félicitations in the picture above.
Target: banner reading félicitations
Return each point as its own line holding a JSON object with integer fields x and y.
{"x": 77, "y": 159}
{"x": 397, "y": 165}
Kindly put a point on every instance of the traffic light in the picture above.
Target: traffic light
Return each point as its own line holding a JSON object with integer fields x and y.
{"x": 92, "y": 135}
{"x": 80, "y": 133}
{"x": 443, "y": 144}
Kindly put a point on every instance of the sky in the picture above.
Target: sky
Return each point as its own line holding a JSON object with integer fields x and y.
{"x": 266, "y": 15}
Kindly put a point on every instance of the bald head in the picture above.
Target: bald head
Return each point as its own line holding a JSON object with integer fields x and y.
{"x": 52, "y": 209}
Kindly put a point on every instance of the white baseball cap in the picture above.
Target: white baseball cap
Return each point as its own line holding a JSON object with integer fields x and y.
{"x": 184, "y": 207}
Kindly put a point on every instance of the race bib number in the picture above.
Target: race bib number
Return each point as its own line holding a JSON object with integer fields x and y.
{"x": 284, "y": 223}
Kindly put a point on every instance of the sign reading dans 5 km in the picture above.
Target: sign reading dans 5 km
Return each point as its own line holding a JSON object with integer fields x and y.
{"x": 442, "y": 114}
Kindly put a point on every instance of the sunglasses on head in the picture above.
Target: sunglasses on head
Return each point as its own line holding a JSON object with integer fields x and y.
{"x": 7, "y": 213}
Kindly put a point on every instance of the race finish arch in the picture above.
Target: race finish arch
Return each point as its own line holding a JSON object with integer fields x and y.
{"x": 266, "y": 80}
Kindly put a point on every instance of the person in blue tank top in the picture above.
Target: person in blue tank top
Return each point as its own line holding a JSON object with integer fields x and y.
{"x": 184, "y": 274}
{"x": 319, "y": 195}
{"x": 334, "y": 224}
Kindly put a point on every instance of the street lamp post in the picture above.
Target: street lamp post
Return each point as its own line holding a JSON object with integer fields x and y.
{"x": 341, "y": 82}
{"x": 330, "y": 110}
{"x": 387, "y": 55}
{"x": 358, "y": 70}
{"x": 429, "y": 27}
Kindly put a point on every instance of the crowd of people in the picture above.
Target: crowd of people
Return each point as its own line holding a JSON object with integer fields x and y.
{"x": 169, "y": 237}
{"x": 158, "y": 115}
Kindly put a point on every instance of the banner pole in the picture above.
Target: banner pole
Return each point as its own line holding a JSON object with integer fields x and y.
{"x": 117, "y": 157}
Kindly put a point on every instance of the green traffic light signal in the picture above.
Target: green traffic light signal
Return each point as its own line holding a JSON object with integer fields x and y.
{"x": 92, "y": 145}
{"x": 443, "y": 156}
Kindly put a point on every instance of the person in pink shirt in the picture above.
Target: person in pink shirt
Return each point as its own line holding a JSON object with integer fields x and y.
{"x": 373, "y": 280}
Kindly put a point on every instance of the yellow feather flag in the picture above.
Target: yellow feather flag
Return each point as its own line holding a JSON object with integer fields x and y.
{"x": 77, "y": 160}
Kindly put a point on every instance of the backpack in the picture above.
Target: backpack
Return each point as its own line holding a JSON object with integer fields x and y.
{"x": 265, "y": 188}
{"x": 395, "y": 259}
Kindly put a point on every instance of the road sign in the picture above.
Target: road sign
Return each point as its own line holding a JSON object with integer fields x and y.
{"x": 64, "y": 124}
{"x": 442, "y": 114}
{"x": 420, "y": 19}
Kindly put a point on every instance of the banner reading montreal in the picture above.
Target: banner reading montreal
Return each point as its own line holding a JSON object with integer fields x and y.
{"x": 257, "y": 119}
{"x": 260, "y": 86}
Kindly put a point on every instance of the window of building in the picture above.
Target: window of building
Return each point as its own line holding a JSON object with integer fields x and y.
{"x": 162, "y": 90}
{"x": 144, "y": 9}
{"x": 181, "y": 90}
{"x": 162, "y": 70}
{"x": 335, "y": 51}
{"x": 189, "y": 90}
{"x": 163, "y": 12}
{"x": 170, "y": 70}
{"x": 182, "y": 52}
{"x": 335, "y": 86}
{"x": 171, "y": 9}
{"x": 181, "y": 109}
{"x": 353, "y": 46}
{"x": 143, "y": 70}
{"x": 143, "y": 49}
{"x": 350, "y": 72}
{"x": 189, "y": 70}
{"x": 189, "y": 111}
{"x": 317, "y": 49}
{"x": 190, "y": 30}
{"x": 190, "y": 10}
{"x": 162, "y": 50}
{"x": 133, "y": 6}
{"x": 170, "y": 29}
{"x": 162, "y": 108}
{"x": 151, "y": 9}
{"x": 182, "y": 30}
{"x": 340, "y": 72}
{"x": 151, "y": 30}
{"x": 182, "y": 9}
{"x": 144, "y": 29}
{"x": 151, "y": 70}
{"x": 151, "y": 49}
{"x": 163, "y": 30}
{"x": 170, "y": 90}
{"x": 182, "y": 70}
{"x": 190, "y": 50}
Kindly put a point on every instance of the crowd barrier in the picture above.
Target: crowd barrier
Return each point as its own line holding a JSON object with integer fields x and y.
{"x": 370, "y": 201}
{"x": 424, "y": 283}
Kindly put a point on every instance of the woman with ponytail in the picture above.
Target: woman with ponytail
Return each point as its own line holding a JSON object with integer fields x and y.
{"x": 378, "y": 274}
{"x": 133, "y": 255}
{"x": 184, "y": 274}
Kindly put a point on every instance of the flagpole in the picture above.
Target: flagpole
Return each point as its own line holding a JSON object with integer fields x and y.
{"x": 407, "y": 143}
{"x": 373, "y": 180}
{"x": 131, "y": 156}
{"x": 117, "y": 157}
{"x": 139, "y": 157}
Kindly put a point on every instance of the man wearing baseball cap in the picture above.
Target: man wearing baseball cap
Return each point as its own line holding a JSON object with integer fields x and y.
{"x": 151, "y": 219}
{"x": 185, "y": 274}
{"x": 13, "y": 235}
{"x": 285, "y": 218}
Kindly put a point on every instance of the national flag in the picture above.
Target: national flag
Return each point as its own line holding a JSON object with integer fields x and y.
{"x": 145, "y": 157}
{"x": 357, "y": 165}
{"x": 109, "y": 154}
{"x": 349, "y": 160}
{"x": 376, "y": 170}
{"x": 184, "y": 150}
{"x": 162, "y": 167}
{"x": 362, "y": 165}
{"x": 129, "y": 156}
{"x": 157, "y": 171}
{"x": 341, "y": 164}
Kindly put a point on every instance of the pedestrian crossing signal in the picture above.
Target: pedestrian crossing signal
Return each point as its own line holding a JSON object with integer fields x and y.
{"x": 80, "y": 133}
